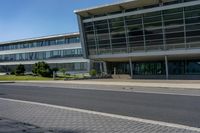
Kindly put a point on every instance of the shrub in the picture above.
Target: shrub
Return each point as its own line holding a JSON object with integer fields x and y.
{"x": 42, "y": 69}
{"x": 12, "y": 73}
{"x": 20, "y": 69}
{"x": 63, "y": 71}
{"x": 93, "y": 73}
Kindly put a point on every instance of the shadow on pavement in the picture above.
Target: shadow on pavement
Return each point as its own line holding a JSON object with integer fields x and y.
{"x": 11, "y": 126}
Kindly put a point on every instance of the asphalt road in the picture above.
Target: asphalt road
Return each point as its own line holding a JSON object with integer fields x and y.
{"x": 180, "y": 109}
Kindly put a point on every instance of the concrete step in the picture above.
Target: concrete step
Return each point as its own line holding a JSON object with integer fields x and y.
{"x": 121, "y": 76}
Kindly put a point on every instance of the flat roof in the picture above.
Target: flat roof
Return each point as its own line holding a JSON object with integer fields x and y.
{"x": 117, "y": 6}
{"x": 42, "y": 38}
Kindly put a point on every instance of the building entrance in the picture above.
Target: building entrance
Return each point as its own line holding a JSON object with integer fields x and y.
{"x": 118, "y": 67}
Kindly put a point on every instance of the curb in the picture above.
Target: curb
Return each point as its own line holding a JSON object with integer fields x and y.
{"x": 126, "y": 84}
{"x": 5, "y": 82}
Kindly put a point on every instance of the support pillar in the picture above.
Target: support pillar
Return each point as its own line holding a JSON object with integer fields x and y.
{"x": 131, "y": 67}
{"x": 89, "y": 66}
{"x": 115, "y": 70}
{"x": 101, "y": 69}
{"x": 166, "y": 67}
{"x": 105, "y": 68}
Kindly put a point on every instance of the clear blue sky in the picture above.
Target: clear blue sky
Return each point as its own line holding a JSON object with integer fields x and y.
{"x": 33, "y": 18}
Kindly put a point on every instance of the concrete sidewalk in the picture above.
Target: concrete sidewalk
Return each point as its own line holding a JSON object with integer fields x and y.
{"x": 71, "y": 120}
{"x": 13, "y": 126}
{"x": 189, "y": 84}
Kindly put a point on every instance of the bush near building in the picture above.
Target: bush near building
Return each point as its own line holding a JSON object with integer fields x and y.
{"x": 42, "y": 69}
{"x": 20, "y": 69}
{"x": 63, "y": 71}
{"x": 93, "y": 73}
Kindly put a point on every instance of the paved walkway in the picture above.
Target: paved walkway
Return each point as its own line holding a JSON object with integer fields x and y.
{"x": 69, "y": 120}
{"x": 12, "y": 126}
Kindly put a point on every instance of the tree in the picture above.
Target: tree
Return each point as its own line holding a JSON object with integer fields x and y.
{"x": 55, "y": 69}
{"x": 20, "y": 69}
{"x": 42, "y": 69}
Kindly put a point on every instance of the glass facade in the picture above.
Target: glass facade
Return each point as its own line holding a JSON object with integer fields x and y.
{"x": 40, "y": 43}
{"x": 176, "y": 67}
{"x": 47, "y": 54}
{"x": 42, "y": 55}
{"x": 177, "y": 28}
{"x": 149, "y": 68}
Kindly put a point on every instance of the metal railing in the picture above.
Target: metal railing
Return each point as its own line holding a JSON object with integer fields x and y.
{"x": 144, "y": 48}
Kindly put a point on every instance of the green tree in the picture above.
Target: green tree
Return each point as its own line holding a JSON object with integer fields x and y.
{"x": 55, "y": 69}
{"x": 42, "y": 69}
{"x": 20, "y": 69}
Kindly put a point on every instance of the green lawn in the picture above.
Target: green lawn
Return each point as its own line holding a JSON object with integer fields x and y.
{"x": 26, "y": 77}
{"x": 13, "y": 78}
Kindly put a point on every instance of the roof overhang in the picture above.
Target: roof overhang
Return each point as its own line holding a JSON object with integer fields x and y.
{"x": 127, "y": 4}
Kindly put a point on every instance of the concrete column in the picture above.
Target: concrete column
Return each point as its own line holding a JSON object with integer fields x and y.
{"x": 105, "y": 67}
{"x": 101, "y": 69}
{"x": 89, "y": 64}
{"x": 131, "y": 67}
{"x": 166, "y": 67}
{"x": 115, "y": 70}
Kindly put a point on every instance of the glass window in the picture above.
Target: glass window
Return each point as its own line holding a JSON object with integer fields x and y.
{"x": 134, "y": 22}
{"x": 171, "y": 11}
{"x": 173, "y": 16}
{"x": 153, "y": 25}
{"x": 174, "y": 29}
{"x": 61, "y": 41}
{"x": 149, "y": 68}
{"x": 157, "y": 13}
{"x": 174, "y": 35}
{"x": 42, "y": 55}
{"x": 192, "y": 20}
{"x": 156, "y": 31}
{"x": 176, "y": 67}
{"x": 190, "y": 8}
{"x": 193, "y": 67}
{"x": 174, "y": 22}
{"x": 192, "y": 27}
{"x": 77, "y": 66}
{"x": 152, "y": 19}
{"x": 193, "y": 33}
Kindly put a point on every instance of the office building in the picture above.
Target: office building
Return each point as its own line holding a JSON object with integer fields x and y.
{"x": 59, "y": 51}
{"x": 148, "y": 39}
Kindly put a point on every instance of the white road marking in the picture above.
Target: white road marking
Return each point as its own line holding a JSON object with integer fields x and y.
{"x": 109, "y": 115}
